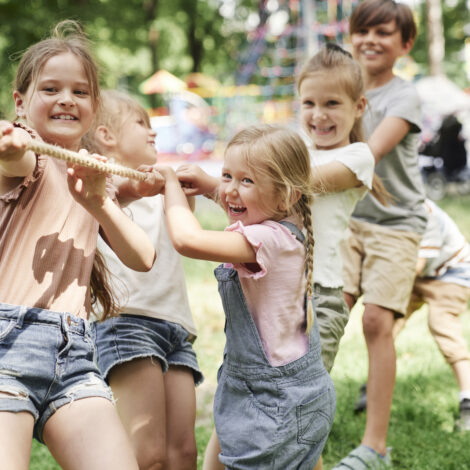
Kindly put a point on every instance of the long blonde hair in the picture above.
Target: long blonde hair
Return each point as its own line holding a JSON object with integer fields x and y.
{"x": 280, "y": 155}
{"x": 347, "y": 73}
{"x": 114, "y": 110}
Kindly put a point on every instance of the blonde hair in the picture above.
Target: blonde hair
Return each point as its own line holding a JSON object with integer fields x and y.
{"x": 281, "y": 156}
{"x": 346, "y": 71}
{"x": 114, "y": 110}
{"x": 67, "y": 36}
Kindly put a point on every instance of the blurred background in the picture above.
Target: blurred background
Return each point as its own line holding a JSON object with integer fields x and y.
{"x": 205, "y": 68}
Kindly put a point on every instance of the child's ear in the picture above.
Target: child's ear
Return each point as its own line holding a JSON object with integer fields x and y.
{"x": 361, "y": 106}
{"x": 19, "y": 104}
{"x": 295, "y": 196}
{"x": 105, "y": 137}
{"x": 407, "y": 46}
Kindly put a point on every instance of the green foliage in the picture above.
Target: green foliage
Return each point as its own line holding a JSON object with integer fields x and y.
{"x": 186, "y": 37}
{"x": 455, "y": 18}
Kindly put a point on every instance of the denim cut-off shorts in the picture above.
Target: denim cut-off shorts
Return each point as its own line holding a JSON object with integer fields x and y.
{"x": 127, "y": 337}
{"x": 46, "y": 362}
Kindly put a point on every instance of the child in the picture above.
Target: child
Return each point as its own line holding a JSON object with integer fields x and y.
{"x": 49, "y": 221}
{"x": 146, "y": 353}
{"x": 331, "y": 92}
{"x": 274, "y": 403}
{"x": 380, "y": 254}
{"x": 443, "y": 282}
{"x": 332, "y": 100}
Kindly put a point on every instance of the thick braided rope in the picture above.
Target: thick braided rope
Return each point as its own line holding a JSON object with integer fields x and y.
{"x": 90, "y": 162}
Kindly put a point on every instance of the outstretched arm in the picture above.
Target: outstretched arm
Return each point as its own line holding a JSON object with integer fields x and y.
{"x": 129, "y": 190}
{"x": 333, "y": 177}
{"x": 130, "y": 243}
{"x": 15, "y": 160}
{"x": 387, "y": 135}
{"x": 190, "y": 239}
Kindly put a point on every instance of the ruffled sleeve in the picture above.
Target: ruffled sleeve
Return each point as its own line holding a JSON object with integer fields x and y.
{"x": 268, "y": 239}
{"x": 41, "y": 161}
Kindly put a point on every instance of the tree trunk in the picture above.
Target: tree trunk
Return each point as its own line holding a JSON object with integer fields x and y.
{"x": 436, "y": 42}
{"x": 150, "y": 8}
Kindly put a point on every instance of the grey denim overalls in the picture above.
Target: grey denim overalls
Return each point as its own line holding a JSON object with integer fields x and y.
{"x": 267, "y": 417}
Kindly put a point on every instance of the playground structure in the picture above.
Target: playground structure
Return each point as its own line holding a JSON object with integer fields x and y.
{"x": 288, "y": 32}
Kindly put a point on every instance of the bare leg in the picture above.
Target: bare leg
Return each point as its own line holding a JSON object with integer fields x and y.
{"x": 88, "y": 435}
{"x": 180, "y": 418}
{"x": 16, "y": 433}
{"x": 461, "y": 371}
{"x": 378, "y": 326}
{"x": 140, "y": 400}
{"x": 350, "y": 300}
{"x": 211, "y": 456}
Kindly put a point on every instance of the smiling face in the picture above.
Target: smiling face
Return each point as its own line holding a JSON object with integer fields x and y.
{"x": 377, "y": 48}
{"x": 246, "y": 196}
{"x": 136, "y": 142}
{"x": 58, "y": 104}
{"x": 327, "y": 112}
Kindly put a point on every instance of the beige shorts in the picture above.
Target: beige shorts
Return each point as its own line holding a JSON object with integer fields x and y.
{"x": 380, "y": 263}
{"x": 446, "y": 301}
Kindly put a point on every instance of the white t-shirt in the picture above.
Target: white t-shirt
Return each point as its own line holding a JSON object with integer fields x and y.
{"x": 275, "y": 292}
{"x": 161, "y": 292}
{"x": 446, "y": 251}
{"x": 331, "y": 211}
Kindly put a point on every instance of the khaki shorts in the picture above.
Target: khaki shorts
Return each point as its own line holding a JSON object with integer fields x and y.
{"x": 446, "y": 301}
{"x": 332, "y": 316}
{"x": 380, "y": 263}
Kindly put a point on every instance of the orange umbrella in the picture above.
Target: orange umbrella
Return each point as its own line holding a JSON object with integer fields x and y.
{"x": 200, "y": 80}
{"x": 162, "y": 82}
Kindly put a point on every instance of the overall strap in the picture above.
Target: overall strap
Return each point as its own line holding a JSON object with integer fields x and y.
{"x": 294, "y": 229}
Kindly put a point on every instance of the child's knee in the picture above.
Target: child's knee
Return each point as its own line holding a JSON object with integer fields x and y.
{"x": 377, "y": 322}
{"x": 183, "y": 456}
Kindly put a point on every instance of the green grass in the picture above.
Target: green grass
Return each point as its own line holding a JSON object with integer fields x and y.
{"x": 425, "y": 400}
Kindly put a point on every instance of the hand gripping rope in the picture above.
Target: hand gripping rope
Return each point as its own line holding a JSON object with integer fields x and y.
{"x": 88, "y": 161}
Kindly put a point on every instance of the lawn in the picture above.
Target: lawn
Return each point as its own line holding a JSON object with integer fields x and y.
{"x": 425, "y": 401}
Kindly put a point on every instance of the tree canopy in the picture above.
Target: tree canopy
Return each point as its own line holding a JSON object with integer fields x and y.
{"x": 134, "y": 38}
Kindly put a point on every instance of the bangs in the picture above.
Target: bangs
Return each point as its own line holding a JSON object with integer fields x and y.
{"x": 373, "y": 14}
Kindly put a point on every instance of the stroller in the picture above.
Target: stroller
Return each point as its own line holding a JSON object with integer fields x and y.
{"x": 443, "y": 161}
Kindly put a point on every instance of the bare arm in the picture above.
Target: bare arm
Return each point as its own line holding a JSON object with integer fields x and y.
{"x": 332, "y": 177}
{"x": 15, "y": 160}
{"x": 387, "y": 135}
{"x": 130, "y": 243}
{"x": 420, "y": 264}
{"x": 196, "y": 181}
{"x": 129, "y": 190}
{"x": 190, "y": 239}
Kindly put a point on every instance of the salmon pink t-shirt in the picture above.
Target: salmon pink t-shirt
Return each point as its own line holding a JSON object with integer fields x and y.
{"x": 274, "y": 289}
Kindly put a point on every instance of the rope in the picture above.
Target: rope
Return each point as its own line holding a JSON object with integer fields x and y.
{"x": 90, "y": 162}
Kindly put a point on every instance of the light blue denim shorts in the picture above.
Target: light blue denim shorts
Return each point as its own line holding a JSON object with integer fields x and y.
{"x": 127, "y": 337}
{"x": 46, "y": 361}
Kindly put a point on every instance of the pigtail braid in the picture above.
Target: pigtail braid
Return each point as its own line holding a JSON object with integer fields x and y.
{"x": 306, "y": 211}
